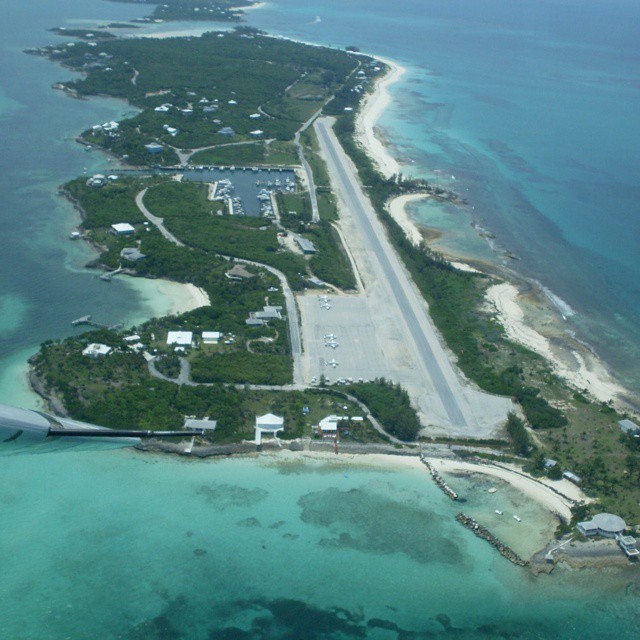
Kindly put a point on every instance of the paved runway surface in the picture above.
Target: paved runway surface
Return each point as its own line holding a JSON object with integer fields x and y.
{"x": 386, "y": 331}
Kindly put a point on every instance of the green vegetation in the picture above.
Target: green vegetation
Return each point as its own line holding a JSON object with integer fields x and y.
{"x": 242, "y": 368}
{"x": 169, "y": 365}
{"x": 210, "y": 10}
{"x": 211, "y": 82}
{"x": 519, "y": 436}
{"x": 104, "y": 206}
{"x": 190, "y": 216}
{"x": 251, "y": 153}
{"x": 581, "y": 435}
{"x": 117, "y": 391}
{"x": 330, "y": 263}
{"x": 390, "y": 405}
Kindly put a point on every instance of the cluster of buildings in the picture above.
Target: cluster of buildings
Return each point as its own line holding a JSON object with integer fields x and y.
{"x": 609, "y": 525}
{"x": 182, "y": 340}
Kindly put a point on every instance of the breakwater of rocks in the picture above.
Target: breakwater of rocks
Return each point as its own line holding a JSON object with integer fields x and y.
{"x": 485, "y": 534}
{"x": 437, "y": 478}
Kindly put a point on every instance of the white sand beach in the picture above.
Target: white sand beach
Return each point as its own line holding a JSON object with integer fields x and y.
{"x": 580, "y": 368}
{"x": 557, "y": 496}
{"x": 165, "y": 297}
{"x": 398, "y": 210}
{"x": 374, "y": 105}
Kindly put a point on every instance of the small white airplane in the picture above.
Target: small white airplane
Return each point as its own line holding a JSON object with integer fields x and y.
{"x": 333, "y": 363}
{"x": 330, "y": 336}
{"x": 333, "y": 345}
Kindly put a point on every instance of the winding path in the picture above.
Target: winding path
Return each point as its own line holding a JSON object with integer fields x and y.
{"x": 184, "y": 378}
{"x": 293, "y": 319}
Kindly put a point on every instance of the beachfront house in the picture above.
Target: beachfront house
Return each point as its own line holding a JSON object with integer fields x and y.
{"x": 122, "y": 229}
{"x": 203, "y": 425}
{"x": 629, "y": 545}
{"x": 603, "y": 524}
{"x": 572, "y": 477}
{"x": 268, "y": 424}
{"x": 132, "y": 253}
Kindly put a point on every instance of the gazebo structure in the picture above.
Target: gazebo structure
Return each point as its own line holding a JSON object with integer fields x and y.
{"x": 268, "y": 424}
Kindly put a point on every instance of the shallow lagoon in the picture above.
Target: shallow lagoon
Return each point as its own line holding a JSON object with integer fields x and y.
{"x": 145, "y": 546}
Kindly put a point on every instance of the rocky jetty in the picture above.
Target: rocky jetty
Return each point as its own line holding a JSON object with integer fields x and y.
{"x": 485, "y": 534}
{"x": 438, "y": 479}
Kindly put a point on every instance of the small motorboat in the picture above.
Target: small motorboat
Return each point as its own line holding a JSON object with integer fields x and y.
{"x": 499, "y": 512}
{"x": 517, "y": 518}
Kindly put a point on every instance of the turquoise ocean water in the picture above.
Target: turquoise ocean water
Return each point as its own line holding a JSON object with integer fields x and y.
{"x": 529, "y": 110}
{"x": 117, "y": 544}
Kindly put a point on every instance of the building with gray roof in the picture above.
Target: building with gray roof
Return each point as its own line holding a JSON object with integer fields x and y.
{"x": 307, "y": 247}
{"x": 608, "y": 525}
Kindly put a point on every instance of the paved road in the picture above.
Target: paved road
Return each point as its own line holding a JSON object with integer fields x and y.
{"x": 411, "y": 308}
{"x": 293, "y": 320}
{"x": 315, "y": 212}
{"x": 184, "y": 378}
{"x": 154, "y": 220}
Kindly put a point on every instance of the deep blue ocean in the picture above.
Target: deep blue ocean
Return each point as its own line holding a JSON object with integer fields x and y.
{"x": 531, "y": 106}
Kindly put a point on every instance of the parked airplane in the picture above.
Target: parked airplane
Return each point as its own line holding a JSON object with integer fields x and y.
{"x": 331, "y": 344}
{"x": 330, "y": 336}
{"x": 333, "y": 363}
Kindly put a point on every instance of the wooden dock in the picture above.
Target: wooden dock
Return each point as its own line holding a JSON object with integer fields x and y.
{"x": 98, "y": 325}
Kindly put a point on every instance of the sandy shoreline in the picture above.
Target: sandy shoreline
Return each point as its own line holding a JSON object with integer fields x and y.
{"x": 558, "y": 496}
{"x": 369, "y": 114}
{"x": 569, "y": 360}
{"x": 165, "y": 297}
{"x": 399, "y": 212}
{"x": 581, "y": 369}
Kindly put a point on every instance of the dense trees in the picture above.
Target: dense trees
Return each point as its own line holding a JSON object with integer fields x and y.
{"x": 389, "y": 403}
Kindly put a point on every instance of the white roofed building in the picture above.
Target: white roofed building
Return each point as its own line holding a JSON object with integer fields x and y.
{"x": 122, "y": 229}
{"x": 603, "y": 524}
{"x": 180, "y": 338}
{"x": 268, "y": 424}
{"x": 211, "y": 337}
{"x": 96, "y": 350}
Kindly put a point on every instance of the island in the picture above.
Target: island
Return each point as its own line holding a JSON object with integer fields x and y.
{"x": 246, "y": 172}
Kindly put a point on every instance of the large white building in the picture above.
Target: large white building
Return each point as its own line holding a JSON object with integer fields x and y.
{"x": 180, "y": 338}
{"x": 211, "y": 337}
